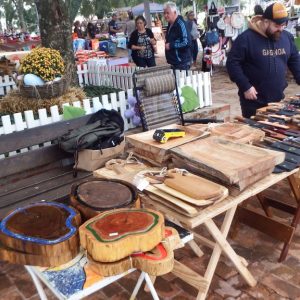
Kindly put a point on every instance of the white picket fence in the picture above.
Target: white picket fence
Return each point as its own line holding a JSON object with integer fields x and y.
{"x": 6, "y": 85}
{"x": 94, "y": 73}
{"x": 118, "y": 101}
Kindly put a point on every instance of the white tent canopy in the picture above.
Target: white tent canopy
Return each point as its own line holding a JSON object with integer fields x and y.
{"x": 154, "y": 8}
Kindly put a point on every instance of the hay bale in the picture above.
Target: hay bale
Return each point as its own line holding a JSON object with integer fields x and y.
{"x": 14, "y": 102}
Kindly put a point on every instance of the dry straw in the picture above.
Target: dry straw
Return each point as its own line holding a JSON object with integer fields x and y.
{"x": 15, "y": 102}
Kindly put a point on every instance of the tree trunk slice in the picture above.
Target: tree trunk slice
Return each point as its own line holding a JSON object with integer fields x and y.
{"x": 157, "y": 262}
{"x": 97, "y": 195}
{"x": 43, "y": 229}
{"x": 41, "y": 260}
{"x": 116, "y": 234}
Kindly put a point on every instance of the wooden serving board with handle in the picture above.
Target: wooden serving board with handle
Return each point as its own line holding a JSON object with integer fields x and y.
{"x": 225, "y": 161}
{"x": 122, "y": 171}
{"x": 158, "y": 261}
{"x": 148, "y": 148}
{"x": 171, "y": 201}
{"x": 46, "y": 229}
{"x": 115, "y": 234}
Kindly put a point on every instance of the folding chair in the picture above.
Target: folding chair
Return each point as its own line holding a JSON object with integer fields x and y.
{"x": 157, "y": 96}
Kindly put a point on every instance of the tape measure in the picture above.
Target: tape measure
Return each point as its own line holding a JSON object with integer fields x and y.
{"x": 162, "y": 135}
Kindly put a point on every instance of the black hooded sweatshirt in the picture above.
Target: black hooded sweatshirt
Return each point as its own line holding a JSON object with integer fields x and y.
{"x": 256, "y": 60}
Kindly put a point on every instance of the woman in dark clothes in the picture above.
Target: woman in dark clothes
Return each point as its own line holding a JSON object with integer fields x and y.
{"x": 142, "y": 44}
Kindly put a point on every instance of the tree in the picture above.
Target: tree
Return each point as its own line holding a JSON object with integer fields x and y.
{"x": 19, "y": 4}
{"x": 55, "y": 20}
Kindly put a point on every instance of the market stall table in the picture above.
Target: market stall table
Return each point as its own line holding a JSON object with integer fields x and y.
{"x": 220, "y": 244}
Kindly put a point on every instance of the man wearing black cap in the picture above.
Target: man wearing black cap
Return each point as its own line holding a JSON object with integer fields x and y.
{"x": 259, "y": 58}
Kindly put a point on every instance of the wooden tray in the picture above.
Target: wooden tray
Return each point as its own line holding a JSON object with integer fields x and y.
{"x": 237, "y": 132}
{"x": 147, "y": 147}
{"x": 113, "y": 235}
{"x": 223, "y": 160}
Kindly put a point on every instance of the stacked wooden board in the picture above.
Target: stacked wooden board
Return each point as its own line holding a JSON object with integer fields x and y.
{"x": 114, "y": 241}
{"x": 157, "y": 153}
{"x": 43, "y": 234}
{"x": 187, "y": 194}
{"x": 233, "y": 164}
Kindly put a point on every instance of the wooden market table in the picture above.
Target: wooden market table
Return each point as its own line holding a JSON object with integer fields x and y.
{"x": 220, "y": 245}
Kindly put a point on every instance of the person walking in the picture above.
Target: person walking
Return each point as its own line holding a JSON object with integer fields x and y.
{"x": 113, "y": 26}
{"x": 178, "y": 39}
{"x": 259, "y": 58}
{"x": 142, "y": 44}
{"x": 193, "y": 30}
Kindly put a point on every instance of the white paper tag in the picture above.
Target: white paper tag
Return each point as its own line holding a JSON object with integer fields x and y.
{"x": 140, "y": 182}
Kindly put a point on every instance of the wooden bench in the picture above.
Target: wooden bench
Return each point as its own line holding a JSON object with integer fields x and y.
{"x": 31, "y": 171}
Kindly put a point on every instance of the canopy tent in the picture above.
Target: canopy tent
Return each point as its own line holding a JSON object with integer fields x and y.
{"x": 154, "y": 8}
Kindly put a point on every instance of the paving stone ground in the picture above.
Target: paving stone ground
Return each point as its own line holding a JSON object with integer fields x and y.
{"x": 276, "y": 281}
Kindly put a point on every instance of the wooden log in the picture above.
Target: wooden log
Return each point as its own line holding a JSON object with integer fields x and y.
{"x": 97, "y": 195}
{"x": 43, "y": 229}
{"x": 157, "y": 262}
{"x": 113, "y": 235}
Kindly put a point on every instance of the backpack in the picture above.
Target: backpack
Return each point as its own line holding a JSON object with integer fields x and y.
{"x": 103, "y": 130}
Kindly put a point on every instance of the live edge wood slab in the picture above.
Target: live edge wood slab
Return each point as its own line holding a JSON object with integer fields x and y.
{"x": 116, "y": 234}
{"x": 158, "y": 261}
{"x": 43, "y": 234}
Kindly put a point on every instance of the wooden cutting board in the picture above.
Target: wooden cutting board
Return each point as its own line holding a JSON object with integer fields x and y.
{"x": 158, "y": 261}
{"x": 171, "y": 201}
{"x": 148, "y": 148}
{"x": 45, "y": 229}
{"x": 237, "y": 132}
{"x": 223, "y": 160}
{"x": 126, "y": 172}
{"x": 115, "y": 234}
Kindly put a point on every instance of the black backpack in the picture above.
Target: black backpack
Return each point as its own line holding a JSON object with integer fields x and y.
{"x": 103, "y": 130}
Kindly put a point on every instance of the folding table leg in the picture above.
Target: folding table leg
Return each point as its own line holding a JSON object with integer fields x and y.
{"x": 217, "y": 251}
{"x": 137, "y": 286}
{"x": 230, "y": 253}
{"x": 146, "y": 277}
{"x": 37, "y": 284}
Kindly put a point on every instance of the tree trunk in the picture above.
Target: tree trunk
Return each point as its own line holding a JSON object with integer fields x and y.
{"x": 20, "y": 10}
{"x": 56, "y": 32}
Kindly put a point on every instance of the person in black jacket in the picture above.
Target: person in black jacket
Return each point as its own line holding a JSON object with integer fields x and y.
{"x": 142, "y": 44}
{"x": 178, "y": 39}
{"x": 259, "y": 58}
